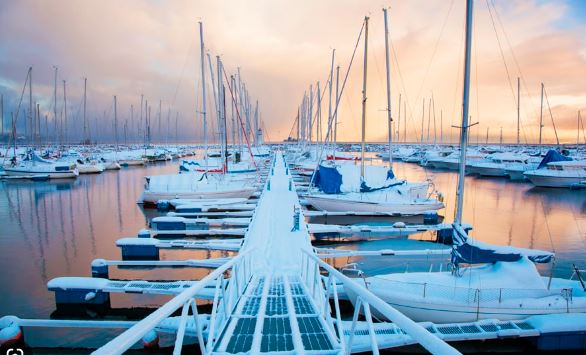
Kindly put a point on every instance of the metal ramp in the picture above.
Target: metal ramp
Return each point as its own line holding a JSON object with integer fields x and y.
{"x": 390, "y": 335}
{"x": 276, "y": 314}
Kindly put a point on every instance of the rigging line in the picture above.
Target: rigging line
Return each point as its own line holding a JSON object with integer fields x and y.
{"x": 475, "y": 46}
{"x": 488, "y": 4}
{"x": 408, "y": 102}
{"x": 314, "y": 119}
{"x": 457, "y": 87}
{"x": 343, "y": 85}
{"x": 330, "y": 119}
{"x": 240, "y": 120}
{"x": 513, "y": 55}
{"x": 502, "y": 53}
{"x": 551, "y": 116}
{"x": 14, "y": 118}
{"x": 434, "y": 51}
{"x": 580, "y": 124}
{"x": 393, "y": 51}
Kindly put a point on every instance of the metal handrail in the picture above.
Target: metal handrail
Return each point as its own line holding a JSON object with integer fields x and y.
{"x": 131, "y": 336}
{"x": 429, "y": 341}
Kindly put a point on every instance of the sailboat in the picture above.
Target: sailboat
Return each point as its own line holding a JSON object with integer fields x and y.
{"x": 485, "y": 281}
{"x": 342, "y": 191}
{"x": 33, "y": 166}
{"x": 201, "y": 184}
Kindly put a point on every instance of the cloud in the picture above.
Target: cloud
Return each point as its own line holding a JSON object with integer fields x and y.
{"x": 129, "y": 48}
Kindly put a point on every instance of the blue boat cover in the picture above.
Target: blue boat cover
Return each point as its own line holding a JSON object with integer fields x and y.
{"x": 551, "y": 156}
{"x": 328, "y": 180}
{"x": 483, "y": 253}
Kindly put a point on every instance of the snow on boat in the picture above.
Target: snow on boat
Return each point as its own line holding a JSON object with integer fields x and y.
{"x": 503, "y": 284}
{"x": 197, "y": 186}
{"x": 341, "y": 190}
{"x": 556, "y": 170}
{"x": 496, "y": 164}
{"x": 33, "y": 166}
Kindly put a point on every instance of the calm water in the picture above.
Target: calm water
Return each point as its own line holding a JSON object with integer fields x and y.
{"x": 52, "y": 229}
{"x": 501, "y": 212}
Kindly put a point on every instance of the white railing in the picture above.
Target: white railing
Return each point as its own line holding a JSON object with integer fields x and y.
{"x": 320, "y": 292}
{"x": 240, "y": 267}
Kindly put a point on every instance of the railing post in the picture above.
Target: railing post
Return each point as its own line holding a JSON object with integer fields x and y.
{"x": 224, "y": 299}
{"x": 181, "y": 329}
{"x": 198, "y": 327}
{"x": 478, "y": 304}
{"x": 339, "y": 323}
{"x": 354, "y": 320}
{"x": 213, "y": 315}
{"x": 371, "y": 332}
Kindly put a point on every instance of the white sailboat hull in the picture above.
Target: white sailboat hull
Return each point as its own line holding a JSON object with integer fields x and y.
{"x": 132, "y": 162}
{"x": 443, "y": 304}
{"x": 70, "y": 174}
{"x": 334, "y": 204}
{"x": 90, "y": 168}
{"x": 430, "y": 311}
{"x": 555, "y": 181}
{"x": 149, "y": 197}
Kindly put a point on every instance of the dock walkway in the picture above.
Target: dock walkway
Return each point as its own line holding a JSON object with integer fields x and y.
{"x": 276, "y": 313}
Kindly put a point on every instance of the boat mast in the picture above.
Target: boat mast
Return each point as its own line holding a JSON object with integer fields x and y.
{"x": 541, "y": 117}
{"x": 64, "y": 112}
{"x": 518, "y": 110}
{"x": 464, "y": 129}
{"x": 203, "y": 88}
{"x": 55, "y": 102}
{"x": 390, "y": 118}
{"x": 232, "y": 117}
{"x": 363, "y": 145}
{"x": 310, "y": 123}
{"x": 318, "y": 113}
{"x": 2, "y": 115}
{"x": 30, "y": 110}
{"x": 84, "y": 110}
{"x": 336, "y": 109}
{"x": 579, "y": 124}
{"x": 221, "y": 121}
{"x": 330, "y": 94}
{"x": 115, "y": 125}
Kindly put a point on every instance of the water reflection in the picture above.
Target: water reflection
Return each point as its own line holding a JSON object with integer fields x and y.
{"x": 52, "y": 229}
{"x": 506, "y": 213}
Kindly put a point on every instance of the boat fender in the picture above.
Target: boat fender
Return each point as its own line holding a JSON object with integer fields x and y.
{"x": 151, "y": 340}
{"x": 10, "y": 335}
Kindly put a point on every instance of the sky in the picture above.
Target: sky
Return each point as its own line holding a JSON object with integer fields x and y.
{"x": 151, "y": 48}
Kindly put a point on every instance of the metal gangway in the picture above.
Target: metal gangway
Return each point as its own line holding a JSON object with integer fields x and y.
{"x": 276, "y": 297}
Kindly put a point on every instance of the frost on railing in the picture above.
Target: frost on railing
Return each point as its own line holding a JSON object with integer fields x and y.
{"x": 226, "y": 295}
{"x": 322, "y": 288}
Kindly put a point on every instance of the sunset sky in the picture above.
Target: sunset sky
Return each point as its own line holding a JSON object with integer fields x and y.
{"x": 128, "y": 48}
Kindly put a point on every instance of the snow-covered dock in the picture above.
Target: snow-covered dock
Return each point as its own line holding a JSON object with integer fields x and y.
{"x": 96, "y": 291}
{"x": 148, "y": 248}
